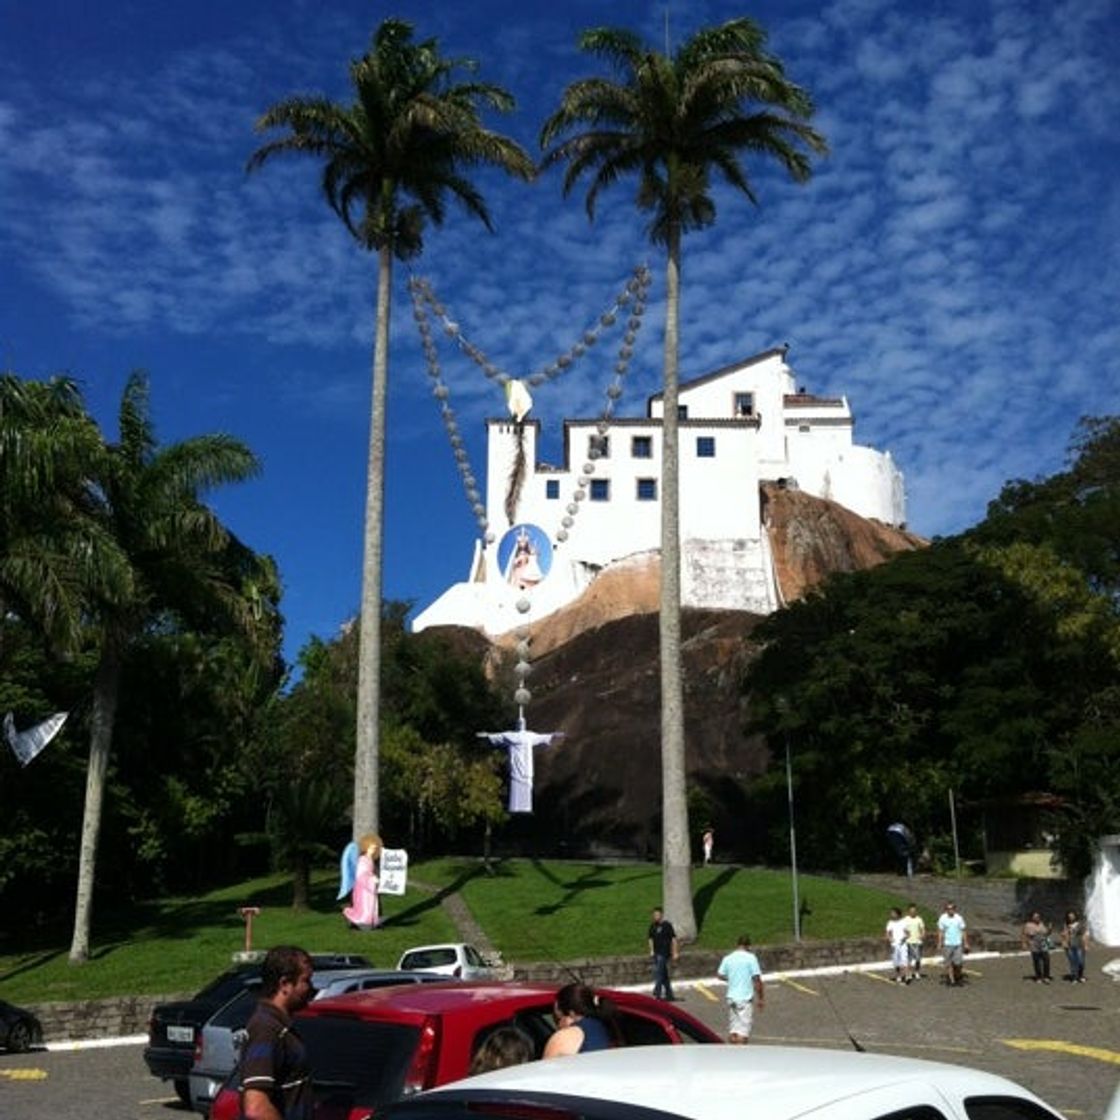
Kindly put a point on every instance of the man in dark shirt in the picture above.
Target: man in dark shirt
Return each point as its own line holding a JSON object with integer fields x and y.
{"x": 275, "y": 1078}
{"x": 662, "y": 945}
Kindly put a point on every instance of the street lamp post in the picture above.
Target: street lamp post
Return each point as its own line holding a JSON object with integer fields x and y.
{"x": 783, "y": 707}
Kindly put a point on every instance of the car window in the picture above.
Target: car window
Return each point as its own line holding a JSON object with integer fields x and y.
{"x": 227, "y": 985}
{"x": 472, "y": 956}
{"x": 687, "y": 1031}
{"x": 639, "y": 1030}
{"x": 358, "y": 1065}
{"x": 429, "y": 958}
{"x": 918, "y": 1112}
{"x": 1005, "y": 1108}
{"x": 236, "y": 1013}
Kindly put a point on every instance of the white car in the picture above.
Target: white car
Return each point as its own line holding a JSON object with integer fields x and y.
{"x": 727, "y": 1083}
{"x": 458, "y": 960}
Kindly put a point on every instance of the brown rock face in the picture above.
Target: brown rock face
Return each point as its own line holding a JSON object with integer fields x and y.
{"x": 811, "y": 538}
{"x": 596, "y": 677}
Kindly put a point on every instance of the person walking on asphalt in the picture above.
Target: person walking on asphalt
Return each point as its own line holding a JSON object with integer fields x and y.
{"x": 1075, "y": 940}
{"x": 915, "y": 935}
{"x": 1036, "y": 940}
{"x": 743, "y": 974}
{"x": 274, "y": 1074}
{"x": 896, "y": 940}
{"x": 952, "y": 943}
{"x": 663, "y": 946}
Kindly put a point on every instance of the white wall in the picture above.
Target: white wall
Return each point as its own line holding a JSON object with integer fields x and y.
{"x": 724, "y": 561}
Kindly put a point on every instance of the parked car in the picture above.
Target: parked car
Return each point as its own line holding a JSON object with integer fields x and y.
{"x": 173, "y": 1027}
{"x": 19, "y": 1029}
{"x": 727, "y": 1083}
{"x": 370, "y": 1048}
{"x": 219, "y": 1042}
{"x": 459, "y": 960}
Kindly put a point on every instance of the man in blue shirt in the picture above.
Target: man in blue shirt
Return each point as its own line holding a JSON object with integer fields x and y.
{"x": 952, "y": 940}
{"x": 741, "y": 970}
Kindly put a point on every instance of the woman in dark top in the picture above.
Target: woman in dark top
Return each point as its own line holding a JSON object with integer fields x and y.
{"x": 584, "y": 1021}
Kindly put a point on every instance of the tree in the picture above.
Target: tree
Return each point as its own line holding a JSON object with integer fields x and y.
{"x": 674, "y": 122}
{"x": 52, "y": 547}
{"x": 182, "y": 564}
{"x": 409, "y": 134}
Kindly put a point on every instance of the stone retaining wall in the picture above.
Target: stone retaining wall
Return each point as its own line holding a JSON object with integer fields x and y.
{"x": 128, "y": 1015}
{"x": 99, "y": 1018}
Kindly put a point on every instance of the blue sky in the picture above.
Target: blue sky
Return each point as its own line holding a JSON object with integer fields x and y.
{"x": 952, "y": 267}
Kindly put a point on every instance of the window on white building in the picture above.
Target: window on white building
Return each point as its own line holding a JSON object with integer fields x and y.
{"x": 599, "y": 447}
{"x": 744, "y": 404}
{"x": 803, "y": 428}
{"x": 552, "y": 488}
{"x": 705, "y": 447}
{"x": 682, "y": 412}
{"x": 641, "y": 447}
{"x": 647, "y": 489}
{"x": 600, "y": 490}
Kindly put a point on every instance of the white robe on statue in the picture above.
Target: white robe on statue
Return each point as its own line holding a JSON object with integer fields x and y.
{"x": 520, "y": 744}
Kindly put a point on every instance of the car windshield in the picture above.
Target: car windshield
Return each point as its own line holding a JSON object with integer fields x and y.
{"x": 358, "y": 1065}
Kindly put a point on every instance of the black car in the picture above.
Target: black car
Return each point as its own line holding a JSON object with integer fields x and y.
{"x": 173, "y": 1027}
{"x": 19, "y": 1029}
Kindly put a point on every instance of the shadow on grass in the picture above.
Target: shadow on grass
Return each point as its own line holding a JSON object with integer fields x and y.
{"x": 590, "y": 880}
{"x": 411, "y": 916}
{"x": 705, "y": 896}
{"x": 30, "y": 965}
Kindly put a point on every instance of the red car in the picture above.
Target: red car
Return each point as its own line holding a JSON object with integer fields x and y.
{"x": 369, "y": 1048}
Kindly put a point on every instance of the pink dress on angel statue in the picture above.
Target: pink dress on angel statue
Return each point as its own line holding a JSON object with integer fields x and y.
{"x": 362, "y": 911}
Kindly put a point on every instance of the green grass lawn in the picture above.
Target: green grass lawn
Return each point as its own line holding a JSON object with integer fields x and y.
{"x": 531, "y": 910}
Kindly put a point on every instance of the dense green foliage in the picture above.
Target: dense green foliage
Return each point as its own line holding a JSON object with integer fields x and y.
{"x": 216, "y": 768}
{"x": 987, "y": 664}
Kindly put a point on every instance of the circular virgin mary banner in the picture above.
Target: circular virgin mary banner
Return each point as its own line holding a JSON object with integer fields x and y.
{"x": 524, "y": 556}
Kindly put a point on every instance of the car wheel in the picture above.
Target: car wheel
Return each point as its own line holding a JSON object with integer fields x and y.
{"x": 19, "y": 1037}
{"x": 183, "y": 1090}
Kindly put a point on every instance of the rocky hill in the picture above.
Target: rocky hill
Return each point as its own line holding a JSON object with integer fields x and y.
{"x": 596, "y": 677}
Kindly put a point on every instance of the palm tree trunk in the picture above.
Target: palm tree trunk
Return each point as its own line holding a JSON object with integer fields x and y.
{"x": 366, "y": 750}
{"x": 676, "y": 864}
{"x": 105, "y": 689}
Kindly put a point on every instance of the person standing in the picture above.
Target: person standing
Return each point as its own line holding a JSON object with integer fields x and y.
{"x": 896, "y": 939}
{"x": 663, "y": 947}
{"x": 1075, "y": 940}
{"x": 1036, "y": 940}
{"x": 741, "y": 970}
{"x": 952, "y": 943}
{"x": 274, "y": 1074}
{"x": 915, "y": 936}
{"x": 708, "y": 840}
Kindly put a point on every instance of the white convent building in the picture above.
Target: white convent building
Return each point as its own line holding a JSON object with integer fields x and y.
{"x": 740, "y": 426}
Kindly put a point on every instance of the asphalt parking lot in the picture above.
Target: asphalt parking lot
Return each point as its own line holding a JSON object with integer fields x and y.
{"x": 1062, "y": 1041}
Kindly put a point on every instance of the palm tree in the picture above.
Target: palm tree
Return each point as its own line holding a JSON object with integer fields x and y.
{"x": 390, "y": 159}
{"x": 52, "y": 548}
{"x": 675, "y": 122}
{"x": 182, "y": 566}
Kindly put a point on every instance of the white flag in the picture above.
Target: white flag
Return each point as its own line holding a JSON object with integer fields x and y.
{"x": 27, "y": 744}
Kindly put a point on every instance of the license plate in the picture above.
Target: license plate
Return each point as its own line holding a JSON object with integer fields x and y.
{"x": 180, "y": 1034}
